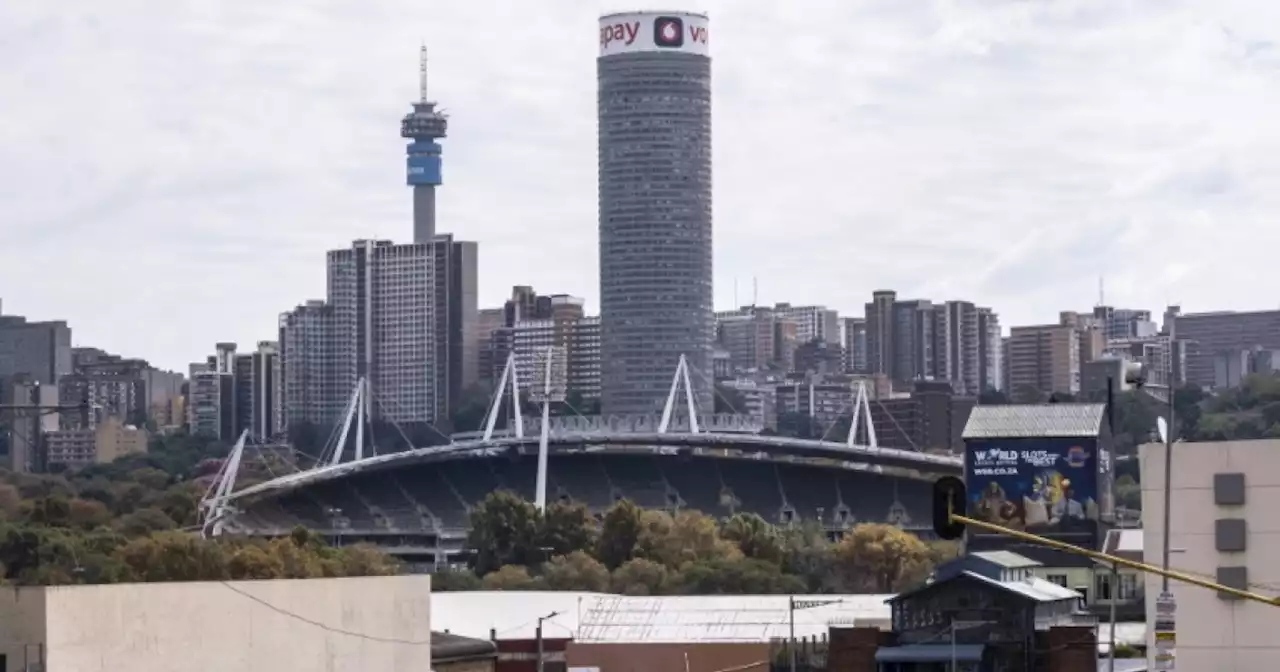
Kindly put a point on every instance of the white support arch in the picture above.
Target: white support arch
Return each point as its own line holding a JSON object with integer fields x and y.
{"x": 359, "y": 411}
{"x": 540, "y": 493}
{"x": 214, "y": 506}
{"x": 509, "y": 378}
{"x": 861, "y": 412}
{"x": 681, "y": 376}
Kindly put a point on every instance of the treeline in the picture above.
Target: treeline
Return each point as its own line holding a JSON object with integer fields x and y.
{"x": 133, "y": 520}
{"x": 36, "y": 555}
{"x": 646, "y": 552}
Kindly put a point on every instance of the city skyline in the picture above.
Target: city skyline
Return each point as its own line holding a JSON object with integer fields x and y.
{"x": 222, "y": 185}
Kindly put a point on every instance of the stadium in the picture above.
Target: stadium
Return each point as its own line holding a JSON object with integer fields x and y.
{"x": 416, "y": 504}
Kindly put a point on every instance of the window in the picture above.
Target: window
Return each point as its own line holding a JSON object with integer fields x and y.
{"x": 1060, "y": 579}
{"x": 1128, "y": 589}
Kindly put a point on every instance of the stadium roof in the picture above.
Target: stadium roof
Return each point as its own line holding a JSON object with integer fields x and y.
{"x": 600, "y": 618}
{"x": 1035, "y": 421}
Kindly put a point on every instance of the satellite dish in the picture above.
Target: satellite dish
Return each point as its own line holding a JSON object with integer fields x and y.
{"x": 1162, "y": 426}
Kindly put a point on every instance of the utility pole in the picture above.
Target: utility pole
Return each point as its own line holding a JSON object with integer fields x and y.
{"x": 36, "y": 410}
{"x": 538, "y": 636}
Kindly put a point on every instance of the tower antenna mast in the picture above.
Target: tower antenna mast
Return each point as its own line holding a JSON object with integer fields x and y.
{"x": 422, "y": 74}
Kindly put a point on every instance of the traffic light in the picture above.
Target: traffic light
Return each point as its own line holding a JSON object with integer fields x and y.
{"x": 948, "y": 497}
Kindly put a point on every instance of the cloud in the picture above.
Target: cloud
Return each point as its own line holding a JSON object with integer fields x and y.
{"x": 171, "y": 174}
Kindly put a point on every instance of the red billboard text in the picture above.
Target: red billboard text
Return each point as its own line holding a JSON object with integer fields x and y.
{"x": 698, "y": 34}
{"x": 619, "y": 32}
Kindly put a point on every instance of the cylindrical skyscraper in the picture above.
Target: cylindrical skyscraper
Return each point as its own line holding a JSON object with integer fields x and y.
{"x": 654, "y": 99}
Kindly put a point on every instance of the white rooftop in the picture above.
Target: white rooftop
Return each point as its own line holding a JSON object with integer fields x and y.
{"x": 596, "y": 617}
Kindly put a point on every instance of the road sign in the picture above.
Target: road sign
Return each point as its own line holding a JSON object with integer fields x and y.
{"x": 1166, "y": 605}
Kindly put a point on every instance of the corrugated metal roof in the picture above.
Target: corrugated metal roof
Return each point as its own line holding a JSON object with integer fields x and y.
{"x": 724, "y": 618}
{"x": 512, "y": 614}
{"x": 1033, "y": 588}
{"x": 597, "y": 617}
{"x": 1007, "y": 559}
{"x": 1035, "y": 421}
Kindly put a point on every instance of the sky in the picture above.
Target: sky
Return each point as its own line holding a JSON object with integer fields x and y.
{"x": 172, "y": 173}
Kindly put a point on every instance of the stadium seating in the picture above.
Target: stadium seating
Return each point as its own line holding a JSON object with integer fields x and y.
{"x": 434, "y": 499}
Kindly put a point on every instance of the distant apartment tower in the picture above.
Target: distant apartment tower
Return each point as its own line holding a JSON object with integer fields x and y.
{"x": 39, "y": 350}
{"x": 1124, "y": 323}
{"x": 456, "y": 312}
{"x": 854, "y": 339}
{"x": 234, "y": 392}
{"x": 1044, "y": 358}
{"x": 990, "y": 351}
{"x": 574, "y": 341}
{"x": 813, "y": 323}
{"x": 654, "y": 110}
{"x": 384, "y": 327}
{"x": 1212, "y": 337}
{"x": 880, "y": 332}
{"x": 751, "y": 339}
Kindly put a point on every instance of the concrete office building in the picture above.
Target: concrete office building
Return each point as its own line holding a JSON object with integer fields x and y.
{"x": 1224, "y": 497}
{"x": 1211, "y": 338}
{"x": 654, "y": 105}
{"x": 1045, "y": 358}
{"x": 41, "y": 350}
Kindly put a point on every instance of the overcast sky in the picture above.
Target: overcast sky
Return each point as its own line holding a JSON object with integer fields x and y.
{"x": 171, "y": 173}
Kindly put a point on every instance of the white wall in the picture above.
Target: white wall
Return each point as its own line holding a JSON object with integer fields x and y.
{"x": 1214, "y": 634}
{"x": 373, "y": 623}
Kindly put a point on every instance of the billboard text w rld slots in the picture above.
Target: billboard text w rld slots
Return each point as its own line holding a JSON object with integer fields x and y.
{"x": 1043, "y": 486}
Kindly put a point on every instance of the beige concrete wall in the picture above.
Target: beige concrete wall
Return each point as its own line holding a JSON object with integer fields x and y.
{"x": 1214, "y": 634}
{"x": 313, "y": 625}
{"x": 21, "y": 627}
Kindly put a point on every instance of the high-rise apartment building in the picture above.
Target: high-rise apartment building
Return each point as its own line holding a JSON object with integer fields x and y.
{"x": 854, "y": 341}
{"x": 990, "y": 351}
{"x": 880, "y": 332}
{"x": 915, "y": 340}
{"x": 383, "y": 300}
{"x": 573, "y": 342}
{"x": 309, "y": 356}
{"x": 654, "y": 107}
{"x": 378, "y": 323}
{"x": 232, "y": 392}
{"x": 456, "y": 312}
{"x": 1044, "y": 358}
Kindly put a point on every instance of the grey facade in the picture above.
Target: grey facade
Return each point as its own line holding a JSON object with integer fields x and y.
{"x": 41, "y": 350}
{"x": 655, "y": 227}
{"x": 457, "y": 311}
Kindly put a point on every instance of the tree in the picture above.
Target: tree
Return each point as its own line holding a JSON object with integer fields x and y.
{"x": 504, "y": 531}
{"x": 454, "y": 580}
{"x": 145, "y": 521}
{"x": 877, "y": 558}
{"x": 689, "y": 536}
{"x": 87, "y": 514}
{"x": 640, "y": 577}
{"x": 808, "y": 554}
{"x": 575, "y": 571}
{"x": 735, "y": 576}
{"x": 509, "y": 577}
{"x": 619, "y": 534}
{"x": 566, "y": 528}
{"x": 755, "y": 537}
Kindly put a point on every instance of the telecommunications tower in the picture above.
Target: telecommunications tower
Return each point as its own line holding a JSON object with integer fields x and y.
{"x": 424, "y": 126}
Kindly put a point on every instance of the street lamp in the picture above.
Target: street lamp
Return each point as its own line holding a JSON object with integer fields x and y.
{"x": 538, "y": 635}
{"x": 792, "y": 606}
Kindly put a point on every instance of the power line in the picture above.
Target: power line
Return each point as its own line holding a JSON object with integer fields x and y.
{"x": 323, "y": 626}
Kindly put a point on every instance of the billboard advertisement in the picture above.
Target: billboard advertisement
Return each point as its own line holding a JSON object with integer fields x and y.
{"x": 423, "y": 169}
{"x": 676, "y": 32}
{"x": 1043, "y": 486}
